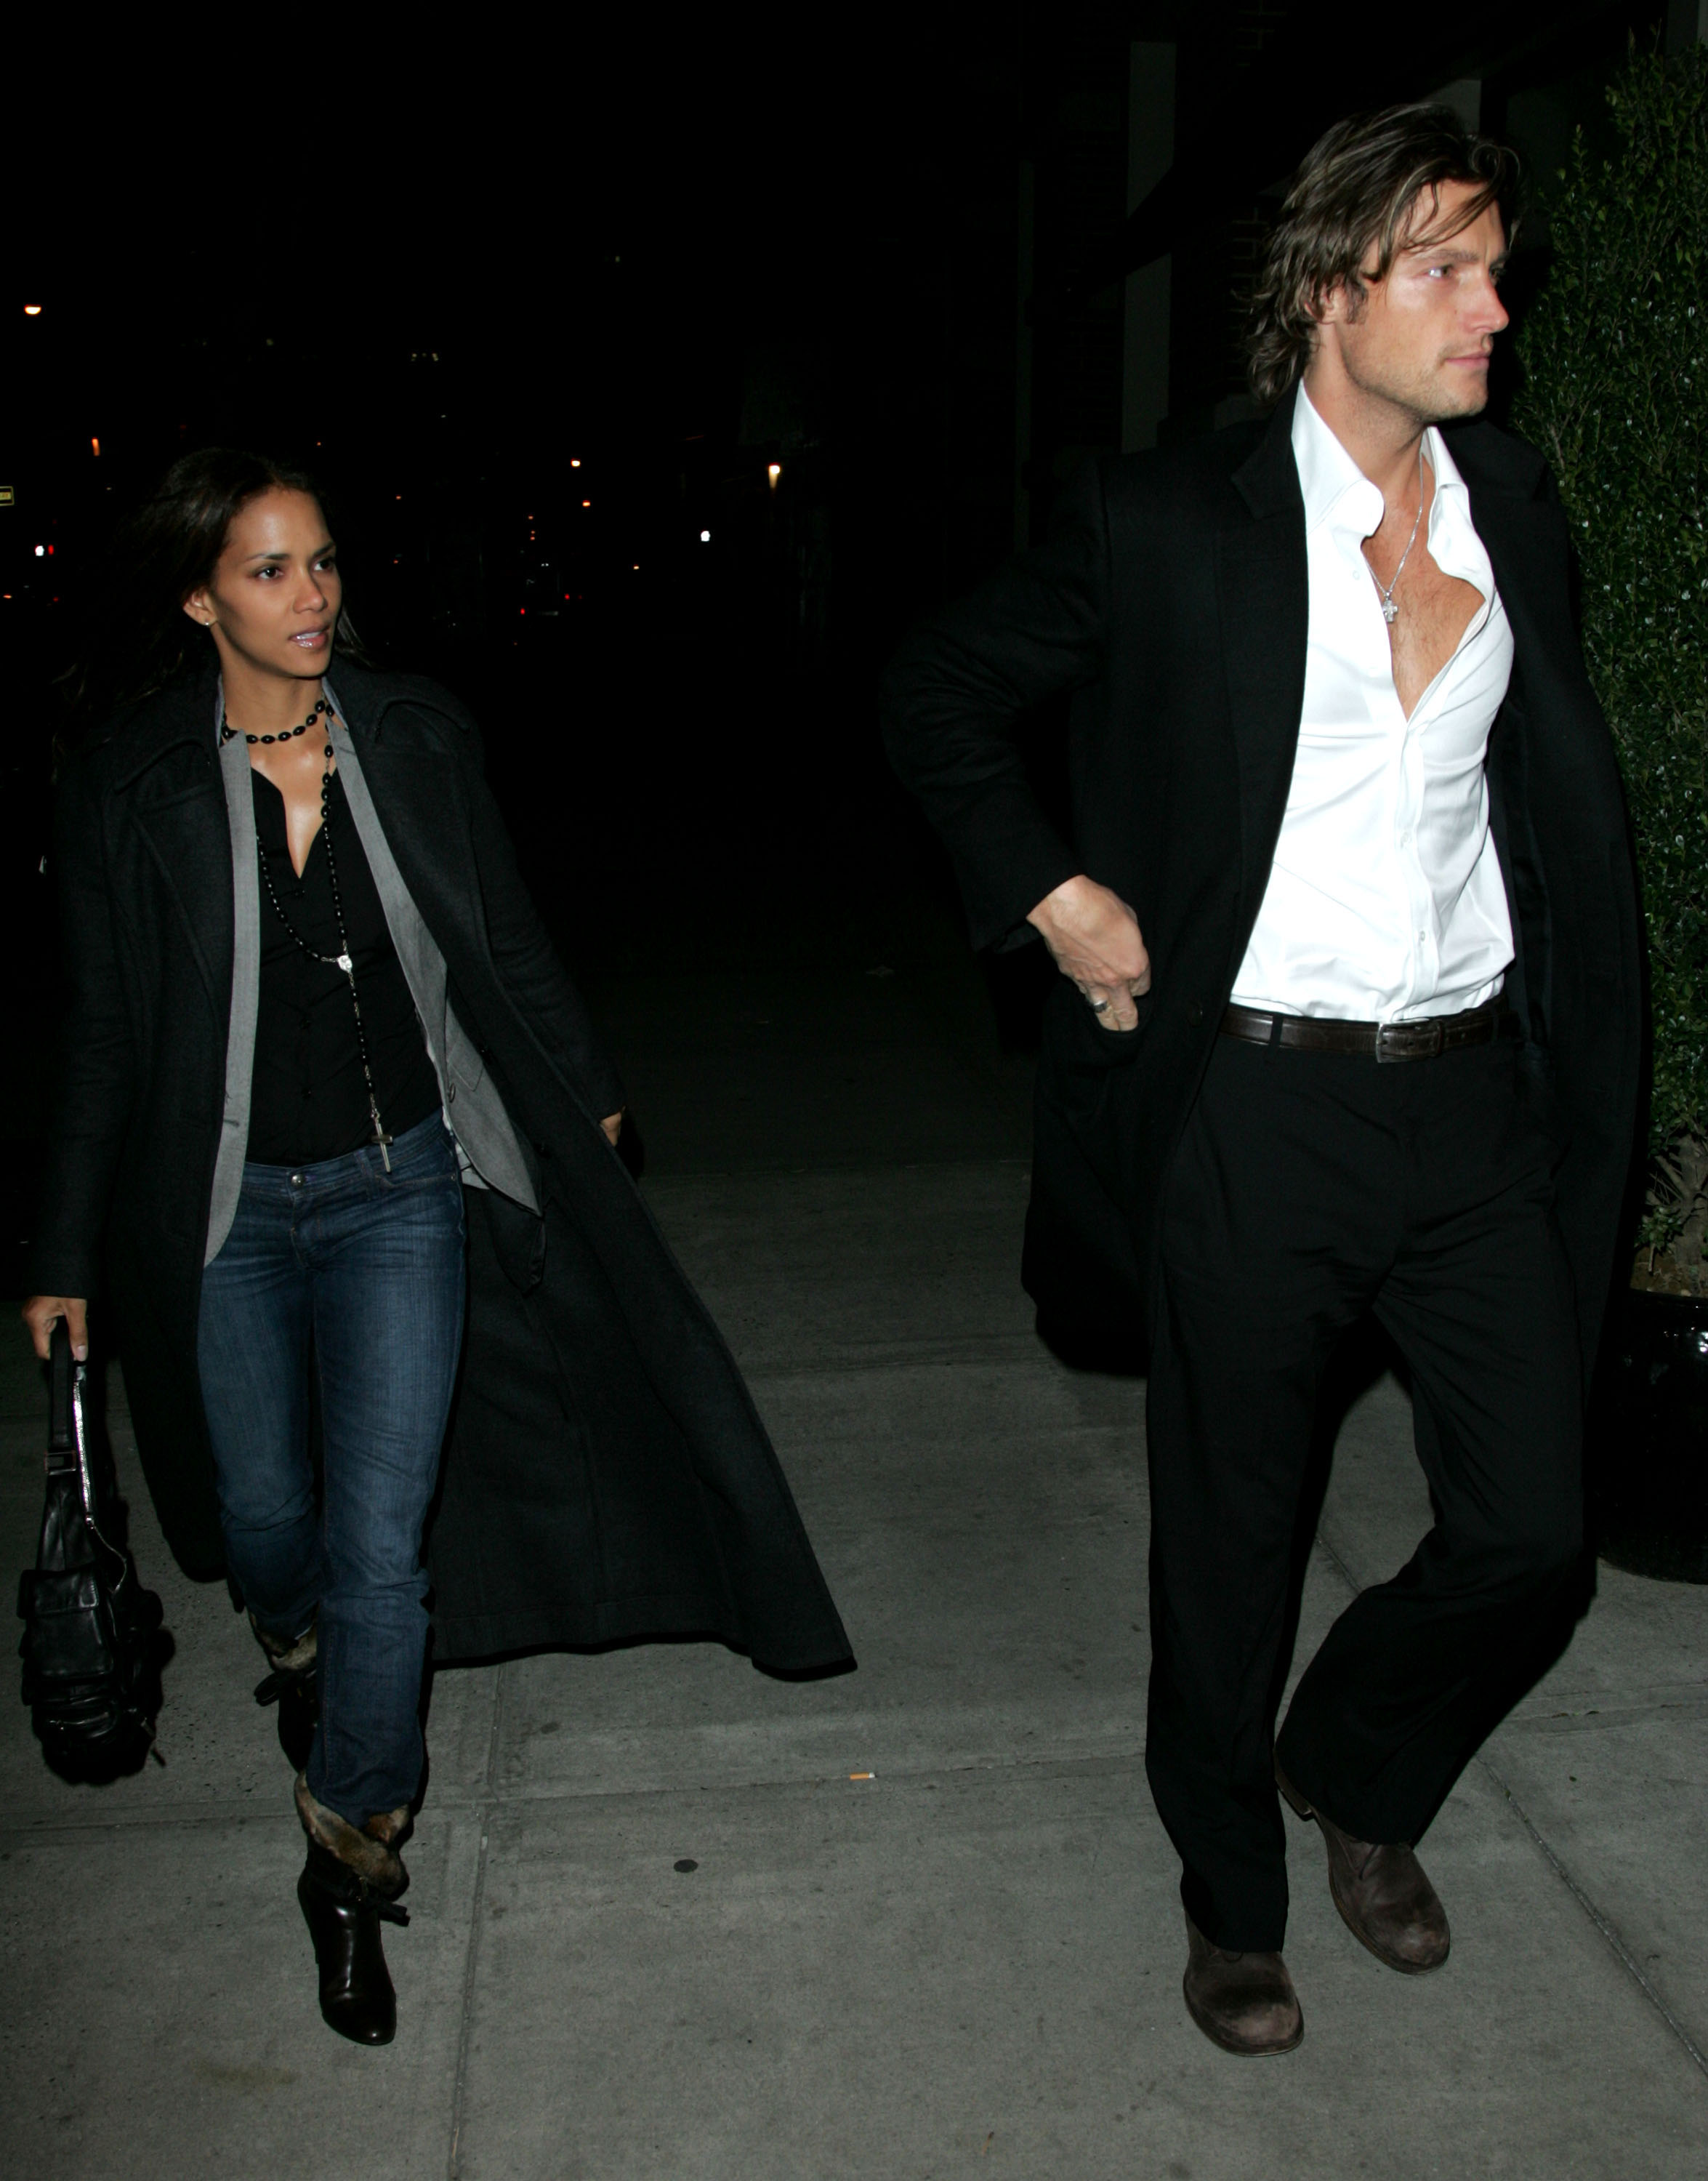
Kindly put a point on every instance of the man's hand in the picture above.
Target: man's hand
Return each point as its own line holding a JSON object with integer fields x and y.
{"x": 40, "y": 1314}
{"x": 612, "y": 1126}
{"x": 1095, "y": 939}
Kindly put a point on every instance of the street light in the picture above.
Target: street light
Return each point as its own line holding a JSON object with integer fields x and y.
{"x": 32, "y": 310}
{"x": 774, "y": 470}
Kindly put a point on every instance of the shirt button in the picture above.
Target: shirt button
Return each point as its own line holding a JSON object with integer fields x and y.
{"x": 1406, "y": 840}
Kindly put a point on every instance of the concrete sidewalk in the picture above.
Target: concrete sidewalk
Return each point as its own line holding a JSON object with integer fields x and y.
{"x": 664, "y": 1925}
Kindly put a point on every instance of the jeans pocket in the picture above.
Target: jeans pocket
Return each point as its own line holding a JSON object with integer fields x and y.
{"x": 428, "y": 1163}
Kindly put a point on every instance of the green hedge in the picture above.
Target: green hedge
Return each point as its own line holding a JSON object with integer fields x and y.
{"x": 1615, "y": 392}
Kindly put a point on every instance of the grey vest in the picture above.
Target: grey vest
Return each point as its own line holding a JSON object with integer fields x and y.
{"x": 487, "y": 1149}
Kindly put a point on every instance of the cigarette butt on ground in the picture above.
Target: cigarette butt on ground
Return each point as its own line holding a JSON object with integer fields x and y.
{"x": 863, "y": 1775}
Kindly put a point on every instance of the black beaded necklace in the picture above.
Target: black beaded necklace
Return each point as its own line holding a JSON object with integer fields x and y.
{"x": 228, "y": 734}
{"x": 343, "y": 959}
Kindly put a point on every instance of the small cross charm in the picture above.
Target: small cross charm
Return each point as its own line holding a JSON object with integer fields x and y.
{"x": 1391, "y": 612}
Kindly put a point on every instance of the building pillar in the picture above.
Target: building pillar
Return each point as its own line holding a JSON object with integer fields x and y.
{"x": 1687, "y": 25}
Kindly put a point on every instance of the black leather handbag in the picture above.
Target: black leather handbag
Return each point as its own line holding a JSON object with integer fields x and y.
{"x": 91, "y": 1641}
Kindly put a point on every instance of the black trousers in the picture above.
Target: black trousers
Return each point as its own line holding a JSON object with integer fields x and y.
{"x": 1309, "y": 1189}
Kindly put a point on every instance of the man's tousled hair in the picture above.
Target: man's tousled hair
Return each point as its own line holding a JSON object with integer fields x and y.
{"x": 1360, "y": 186}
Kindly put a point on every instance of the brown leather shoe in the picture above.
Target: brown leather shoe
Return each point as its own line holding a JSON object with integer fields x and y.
{"x": 1246, "y": 2003}
{"x": 1384, "y": 1898}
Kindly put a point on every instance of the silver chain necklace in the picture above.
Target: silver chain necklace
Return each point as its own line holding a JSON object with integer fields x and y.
{"x": 1390, "y": 611}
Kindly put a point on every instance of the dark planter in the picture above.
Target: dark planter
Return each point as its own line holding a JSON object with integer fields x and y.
{"x": 1648, "y": 1449}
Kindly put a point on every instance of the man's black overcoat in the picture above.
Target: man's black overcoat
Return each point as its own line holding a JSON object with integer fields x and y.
{"x": 606, "y": 1475}
{"x": 1172, "y": 602}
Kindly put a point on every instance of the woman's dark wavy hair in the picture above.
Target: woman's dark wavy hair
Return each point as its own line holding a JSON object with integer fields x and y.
{"x": 136, "y": 637}
{"x": 1359, "y": 185}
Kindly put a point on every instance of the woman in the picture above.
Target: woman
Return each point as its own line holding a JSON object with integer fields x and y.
{"x": 342, "y": 1118}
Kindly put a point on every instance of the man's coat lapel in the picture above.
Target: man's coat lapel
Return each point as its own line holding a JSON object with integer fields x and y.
{"x": 1263, "y": 597}
{"x": 1524, "y": 537}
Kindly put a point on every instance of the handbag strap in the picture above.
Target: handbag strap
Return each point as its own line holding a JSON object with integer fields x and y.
{"x": 61, "y": 1435}
{"x": 68, "y": 1444}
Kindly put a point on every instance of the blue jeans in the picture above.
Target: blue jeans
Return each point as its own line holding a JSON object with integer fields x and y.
{"x": 360, "y": 1272}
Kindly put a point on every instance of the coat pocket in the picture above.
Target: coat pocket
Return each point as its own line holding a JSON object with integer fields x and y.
{"x": 1079, "y": 1039}
{"x": 1082, "y": 1060}
{"x": 464, "y": 1064}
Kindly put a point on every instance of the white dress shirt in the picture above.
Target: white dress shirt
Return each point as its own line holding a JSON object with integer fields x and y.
{"x": 1385, "y": 902}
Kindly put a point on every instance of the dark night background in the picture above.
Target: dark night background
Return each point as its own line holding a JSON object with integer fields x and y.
{"x": 546, "y": 309}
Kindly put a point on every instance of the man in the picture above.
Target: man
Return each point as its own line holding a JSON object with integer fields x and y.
{"x": 1348, "y": 1022}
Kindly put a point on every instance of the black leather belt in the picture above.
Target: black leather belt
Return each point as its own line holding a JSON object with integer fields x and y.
{"x": 1397, "y": 1041}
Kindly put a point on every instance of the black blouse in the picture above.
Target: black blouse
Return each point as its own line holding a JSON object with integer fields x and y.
{"x": 308, "y": 1100}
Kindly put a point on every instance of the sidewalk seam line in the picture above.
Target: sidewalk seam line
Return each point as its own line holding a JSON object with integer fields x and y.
{"x": 471, "y": 1962}
{"x": 1621, "y": 1953}
{"x": 1627, "y": 1960}
{"x": 21, "y": 1834}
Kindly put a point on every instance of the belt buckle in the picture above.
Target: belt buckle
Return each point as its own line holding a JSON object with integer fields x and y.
{"x": 1426, "y": 1038}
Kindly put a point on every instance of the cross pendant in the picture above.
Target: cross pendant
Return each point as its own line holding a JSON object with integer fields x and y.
{"x": 1391, "y": 612}
{"x": 382, "y": 1139}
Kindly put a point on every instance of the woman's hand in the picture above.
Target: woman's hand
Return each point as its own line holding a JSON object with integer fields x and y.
{"x": 40, "y": 1314}
{"x": 612, "y": 1126}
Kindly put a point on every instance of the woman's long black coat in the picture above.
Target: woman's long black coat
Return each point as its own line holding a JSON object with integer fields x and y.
{"x": 606, "y": 1474}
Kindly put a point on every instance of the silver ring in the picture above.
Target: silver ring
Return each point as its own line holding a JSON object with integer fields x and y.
{"x": 1099, "y": 1007}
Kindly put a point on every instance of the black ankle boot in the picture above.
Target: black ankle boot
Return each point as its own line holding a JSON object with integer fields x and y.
{"x": 344, "y": 1912}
